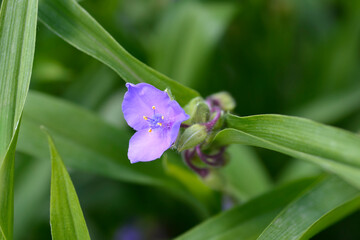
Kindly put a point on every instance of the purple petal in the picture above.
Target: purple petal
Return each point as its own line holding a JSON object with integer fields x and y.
{"x": 174, "y": 131}
{"x": 146, "y": 146}
{"x": 138, "y": 102}
{"x": 175, "y": 112}
{"x": 176, "y": 115}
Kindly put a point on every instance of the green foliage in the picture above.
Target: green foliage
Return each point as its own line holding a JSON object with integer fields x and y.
{"x": 2, "y": 234}
{"x": 7, "y": 191}
{"x": 317, "y": 207}
{"x": 248, "y": 220}
{"x": 17, "y": 44}
{"x": 296, "y": 211}
{"x": 250, "y": 57}
{"x": 333, "y": 149}
{"x": 66, "y": 218}
{"x": 76, "y": 26}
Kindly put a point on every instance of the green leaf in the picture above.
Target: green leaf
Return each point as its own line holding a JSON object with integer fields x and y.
{"x": 331, "y": 148}
{"x": 2, "y": 236}
{"x": 7, "y": 190}
{"x": 325, "y": 202}
{"x": 250, "y": 219}
{"x": 186, "y": 37}
{"x": 295, "y": 211}
{"x": 17, "y": 42}
{"x": 66, "y": 217}
{"x": 72, "y": 23}
{"x": 89, "y": 144}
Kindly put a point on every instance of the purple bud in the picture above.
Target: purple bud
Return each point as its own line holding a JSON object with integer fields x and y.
{"x": 155, "y": 117}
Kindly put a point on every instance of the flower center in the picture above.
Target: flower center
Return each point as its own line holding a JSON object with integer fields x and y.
{"x": 155, "y": 121}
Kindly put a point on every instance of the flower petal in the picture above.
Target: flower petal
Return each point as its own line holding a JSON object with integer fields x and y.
{"x": 176, "y": 115}
{"x": 175, "y": 112}
{"x": 146, "y": 146}
{"x": 138, "y": 102}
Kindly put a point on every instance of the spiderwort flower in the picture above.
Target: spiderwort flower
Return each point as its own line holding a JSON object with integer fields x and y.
{"x": 155, "y": 117}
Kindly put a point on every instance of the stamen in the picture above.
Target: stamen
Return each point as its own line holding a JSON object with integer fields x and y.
{"x": 153, "y": 107}
{"x": 160, "y": 124}
{"x": 162, "y": 117}
{"x": 145, "y": 118}
{"x": 150, "y": 130}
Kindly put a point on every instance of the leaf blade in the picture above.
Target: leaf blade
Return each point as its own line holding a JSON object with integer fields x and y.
{"x": 72, "y": 23}
{"x": 66, "y": 218}
{"x": 332, "y": 149}
{"x": 17, "y": 42}
{"x": 248, "y": 220}
{"x": 298, "y": 219}
{"x": 7, "y": 190}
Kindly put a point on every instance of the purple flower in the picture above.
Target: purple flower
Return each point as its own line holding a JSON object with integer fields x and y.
{"x": 155, "y": 117}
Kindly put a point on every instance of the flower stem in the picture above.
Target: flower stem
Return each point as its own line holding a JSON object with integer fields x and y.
{"x": 209, "y": 125}
{"x": 216, "y": 159}
{"x": 183, "y": 125}
{"x": 188, "y": 155}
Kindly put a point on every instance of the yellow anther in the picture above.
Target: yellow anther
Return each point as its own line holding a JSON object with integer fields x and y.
{"x": 150, "y": 130}
{"x": 153, "y": 107}
{"x": 145, "y": 118}
{"x": 160, "y": 124}
{"x": 162, "y": 117}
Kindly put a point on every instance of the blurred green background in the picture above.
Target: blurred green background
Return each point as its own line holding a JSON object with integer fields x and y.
{"x": 294, "y": 57}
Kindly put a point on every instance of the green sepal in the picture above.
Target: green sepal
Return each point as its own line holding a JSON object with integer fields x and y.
{"x": 168, "y": 91}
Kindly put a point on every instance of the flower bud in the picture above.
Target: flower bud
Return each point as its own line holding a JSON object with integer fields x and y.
{"x": 191, "y": 137}
{"x": 224, "y": 100}
{"x": 198, "y": 110}
{"x": 201, "y": 113}
{"x": 189, "y": 108}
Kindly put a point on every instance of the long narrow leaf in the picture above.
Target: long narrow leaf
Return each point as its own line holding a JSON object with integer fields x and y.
{"x": 326, "y": 202}
{"x": 72, "y": 23}
{"x": 333, "y": 149}
{"x": 7, "y": 190}
{"x": 249, "y": 220}
{"x": 17, "y": 42}
{"x": 2, "y": 235}
{"x": 66, "y": 217}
